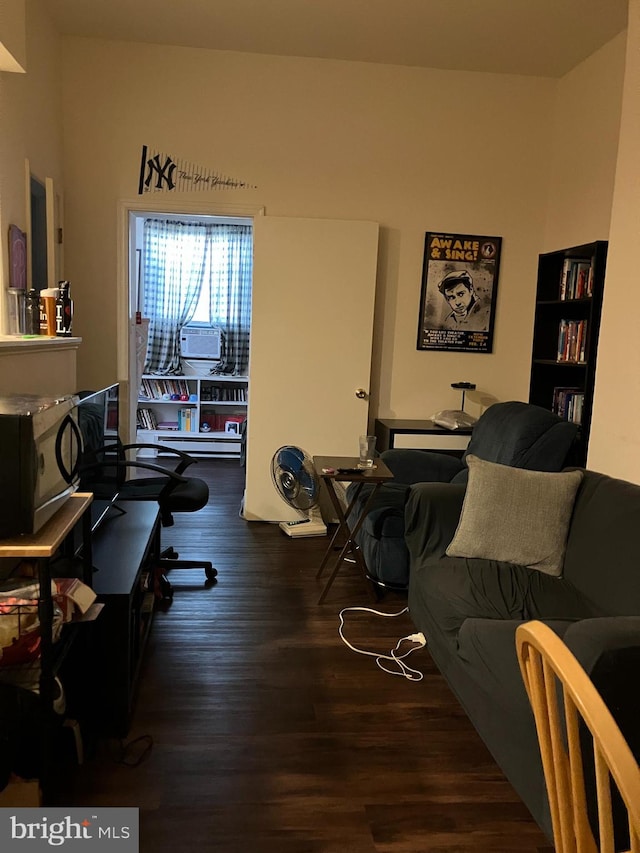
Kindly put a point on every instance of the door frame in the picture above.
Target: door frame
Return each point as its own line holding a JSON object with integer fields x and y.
{"x": 125, "y": 343}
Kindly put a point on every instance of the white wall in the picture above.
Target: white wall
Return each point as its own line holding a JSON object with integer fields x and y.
{"x": 30, "y": 127}
{"x": 594, "y": 195}
{"x": 413, "y": 149}
{"x": 586, "y": 129}
{"x": 531, "y": 160}
{"x": 615, "y": 441}
{"x": 13, "y": 42}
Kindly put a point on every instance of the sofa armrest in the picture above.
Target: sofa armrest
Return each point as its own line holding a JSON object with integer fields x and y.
{"x": 591, "y": 639}
{"x": 608, "y": 648}
{"x": 431, "y": 517}
{"x": 417, "y": 466}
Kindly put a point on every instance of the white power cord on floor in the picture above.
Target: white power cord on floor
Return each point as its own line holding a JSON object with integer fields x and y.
{"x": 403, "y": 669}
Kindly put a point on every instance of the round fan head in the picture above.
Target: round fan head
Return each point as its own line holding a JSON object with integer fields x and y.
{"x": 295, "y": 478}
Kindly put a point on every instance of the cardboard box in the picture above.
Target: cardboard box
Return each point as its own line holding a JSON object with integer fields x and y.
{"x": 73, "y": 597}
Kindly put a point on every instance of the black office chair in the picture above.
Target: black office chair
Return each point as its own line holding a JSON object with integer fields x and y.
{"x": 103, "y": 469}
{"x": 174, "y": 493}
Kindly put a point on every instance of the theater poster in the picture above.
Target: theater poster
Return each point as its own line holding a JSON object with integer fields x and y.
{"x": 459, "y": 290}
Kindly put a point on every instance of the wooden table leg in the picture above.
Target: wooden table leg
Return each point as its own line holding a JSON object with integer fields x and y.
{"x": 342, "y": 520}
{"x": 350, "y": 543}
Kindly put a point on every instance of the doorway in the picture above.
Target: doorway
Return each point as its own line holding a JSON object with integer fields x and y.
{"x": 193, "y": 285}
{"x": 314, "y": 283}
{"x": 131, "y": 215}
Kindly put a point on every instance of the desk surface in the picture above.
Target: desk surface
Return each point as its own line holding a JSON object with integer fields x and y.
{"x": 367, "y": 475}
{"x": 401, "y": 425}
{"x": 120, "y": 545}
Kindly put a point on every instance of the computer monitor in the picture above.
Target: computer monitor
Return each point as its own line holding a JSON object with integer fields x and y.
{"x": 98, "y": 420}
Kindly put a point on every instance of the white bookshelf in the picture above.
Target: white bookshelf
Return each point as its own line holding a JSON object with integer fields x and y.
{"x": 207, "y": 422}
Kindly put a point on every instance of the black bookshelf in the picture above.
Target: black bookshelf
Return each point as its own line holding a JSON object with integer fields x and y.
{"x": 568, "y": 308}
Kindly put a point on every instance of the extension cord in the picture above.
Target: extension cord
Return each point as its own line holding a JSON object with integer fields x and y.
{"x": 403, "y": 670}
{"x": 303, "y": 528}
{"x": 417, "y": 638}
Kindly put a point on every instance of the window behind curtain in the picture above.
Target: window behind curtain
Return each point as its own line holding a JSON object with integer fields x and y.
{"x": 197, "y": 273}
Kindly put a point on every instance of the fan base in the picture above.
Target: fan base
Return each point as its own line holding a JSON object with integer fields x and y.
{"x": 305, "y": 527}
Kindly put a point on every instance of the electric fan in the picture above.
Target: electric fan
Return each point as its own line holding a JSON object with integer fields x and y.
{"x": 298, "y": 484}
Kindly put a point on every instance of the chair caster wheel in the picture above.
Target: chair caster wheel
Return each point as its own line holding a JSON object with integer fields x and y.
{"x": 211, "y": 573}
{"x": 170, "y": 554}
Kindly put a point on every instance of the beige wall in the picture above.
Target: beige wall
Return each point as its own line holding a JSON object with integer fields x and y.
{"x": 586, "y": 128}
{"x": 413, "y": 149}
{"x": 590, "y": 200}
{"x": 30, "y": 127}
{"x": 13, "y": 44}
{"x": 615, "y": 440}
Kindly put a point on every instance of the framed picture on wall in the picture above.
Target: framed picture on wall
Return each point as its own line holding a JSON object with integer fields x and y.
{"x": 458, "y": 294}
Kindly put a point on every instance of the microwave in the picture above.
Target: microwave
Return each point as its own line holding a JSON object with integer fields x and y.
{"x": 40, "y": 445}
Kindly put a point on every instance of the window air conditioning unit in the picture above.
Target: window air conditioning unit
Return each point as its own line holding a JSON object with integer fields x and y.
{"x": 196, "y": 342}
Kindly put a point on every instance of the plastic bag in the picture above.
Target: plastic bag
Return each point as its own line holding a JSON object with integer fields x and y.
{"x": 20, "y": 623}
{"x": 453, "y": 419}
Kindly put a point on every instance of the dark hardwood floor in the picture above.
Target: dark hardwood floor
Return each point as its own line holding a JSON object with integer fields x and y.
{"x": 270, "y": 735}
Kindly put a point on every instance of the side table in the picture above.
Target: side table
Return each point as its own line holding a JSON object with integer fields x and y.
{"x": 55, "y": 534}
{"x": 377, "y": 476}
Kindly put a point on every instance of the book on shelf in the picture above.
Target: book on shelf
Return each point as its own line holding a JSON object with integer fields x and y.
{"x": 568, "y": 403}
{"x": 223, "y": 394}
{"x": 163, "y": 389}
{"x": 146, "y": 419}
{"x": 187, "y": 419}
{"x": 576, "y": 280}
{"x": 572, "y": 340}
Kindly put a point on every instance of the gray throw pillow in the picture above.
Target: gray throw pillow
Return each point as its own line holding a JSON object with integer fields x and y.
{"x": 516, "y": 516}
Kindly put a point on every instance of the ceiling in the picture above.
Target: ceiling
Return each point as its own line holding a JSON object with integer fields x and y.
{"x": 532, "y": 37}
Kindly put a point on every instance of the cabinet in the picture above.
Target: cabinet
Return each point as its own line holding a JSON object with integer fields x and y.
{"x": 197, "y": 414}
{"x": 54, "y": 537}
{"x": 40, "y": 365}
{"x": 565, "y": 335}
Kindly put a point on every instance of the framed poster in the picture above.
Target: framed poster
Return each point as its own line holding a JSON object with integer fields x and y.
{"x": 459, "y": 289}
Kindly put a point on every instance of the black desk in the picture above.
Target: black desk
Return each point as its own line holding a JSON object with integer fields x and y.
{"x": 422, "y": 435}
{"x": 125, "y": 547}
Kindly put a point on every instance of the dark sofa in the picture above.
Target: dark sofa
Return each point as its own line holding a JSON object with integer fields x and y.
{"x": 511, "y": 433}
{"x": 469, "y": 608}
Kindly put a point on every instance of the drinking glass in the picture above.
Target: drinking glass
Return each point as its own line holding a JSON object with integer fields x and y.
{"x": 367, "y": 449}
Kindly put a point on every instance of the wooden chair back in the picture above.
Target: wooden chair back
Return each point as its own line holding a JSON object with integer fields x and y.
{"x": 567, "y": 708}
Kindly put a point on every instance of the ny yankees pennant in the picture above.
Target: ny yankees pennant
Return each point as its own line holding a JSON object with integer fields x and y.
{"x": 162, "y": 173}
